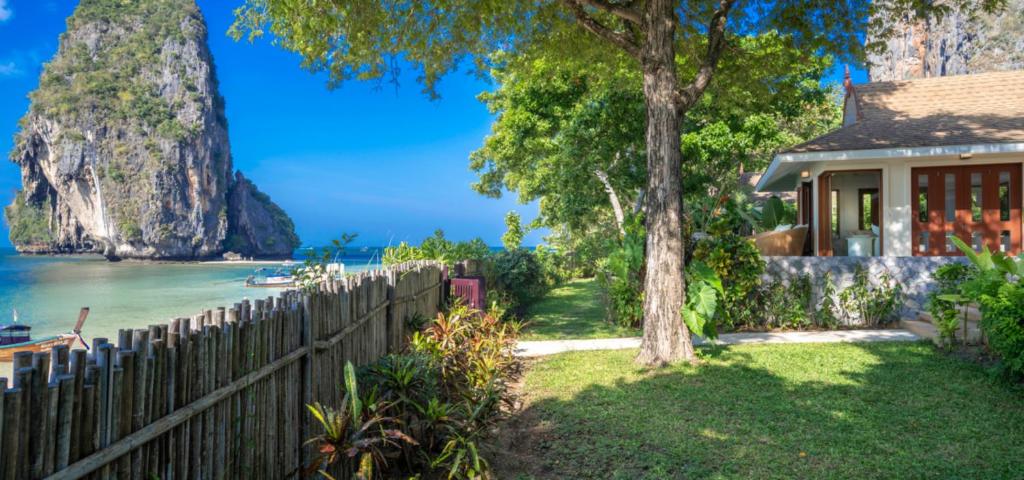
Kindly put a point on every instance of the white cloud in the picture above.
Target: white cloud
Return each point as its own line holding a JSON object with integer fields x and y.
{"x": 5, "y": 13}
{"x": 9, "y": 69}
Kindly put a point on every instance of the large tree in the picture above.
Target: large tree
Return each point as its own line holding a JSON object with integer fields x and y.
{"x": 675, "y": 45}
{"x": 573, "y": 139}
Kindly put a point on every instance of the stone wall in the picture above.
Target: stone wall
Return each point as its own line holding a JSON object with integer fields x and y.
{"x": 913, "y": 273}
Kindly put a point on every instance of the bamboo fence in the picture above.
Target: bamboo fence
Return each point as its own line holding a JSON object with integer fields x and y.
{"x": 222, "y": 394}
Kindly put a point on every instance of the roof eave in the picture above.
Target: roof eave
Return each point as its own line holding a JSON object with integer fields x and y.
{"x": 884, "y": 153}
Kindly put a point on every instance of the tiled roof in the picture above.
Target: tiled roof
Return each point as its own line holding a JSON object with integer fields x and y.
{"x": 957, "y": 110}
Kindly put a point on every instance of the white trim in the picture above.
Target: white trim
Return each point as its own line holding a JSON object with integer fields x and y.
{"x": 885, "y": 153}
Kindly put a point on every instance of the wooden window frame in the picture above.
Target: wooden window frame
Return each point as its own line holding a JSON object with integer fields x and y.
{"x": 874, "y": 208}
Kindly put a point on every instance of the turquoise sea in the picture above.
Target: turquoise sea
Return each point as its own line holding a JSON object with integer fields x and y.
{"x": 48, "y": 291}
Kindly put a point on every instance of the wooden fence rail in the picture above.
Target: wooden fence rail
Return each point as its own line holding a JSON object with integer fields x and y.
{"x": 219, "y": 395}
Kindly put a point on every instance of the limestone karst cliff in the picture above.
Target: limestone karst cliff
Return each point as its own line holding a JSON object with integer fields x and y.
{"x": 955, "y": 44}
{"x": 125, "y": 148}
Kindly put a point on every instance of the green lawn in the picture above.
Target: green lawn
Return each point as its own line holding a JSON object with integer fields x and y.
{"x": 572, "y": 310}
{"x": 882, "y": 410}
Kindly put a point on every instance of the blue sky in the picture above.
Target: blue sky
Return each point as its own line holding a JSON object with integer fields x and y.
{"x": 384, "y": 162}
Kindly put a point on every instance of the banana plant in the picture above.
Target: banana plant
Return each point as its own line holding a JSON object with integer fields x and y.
{"x": 703, "y": 294}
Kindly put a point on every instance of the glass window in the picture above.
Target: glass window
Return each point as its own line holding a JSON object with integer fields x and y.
{"x": 835, "y": 212}
{"x": 1004, "y": 196}
{"x": 1004, "y": 241}
{"x": 922, "y": 198}
{"x": 922, "y": 242}
{"x": 950, "y": 247}
{"x": 976, "y": 197}
{"x": 950, "y": 197}
{"x": 976, "y": 242}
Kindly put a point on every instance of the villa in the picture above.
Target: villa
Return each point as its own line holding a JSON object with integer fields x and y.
{"x": 915, "y": 163}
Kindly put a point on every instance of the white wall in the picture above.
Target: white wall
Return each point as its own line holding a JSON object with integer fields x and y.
{"x": 896, "y": 192}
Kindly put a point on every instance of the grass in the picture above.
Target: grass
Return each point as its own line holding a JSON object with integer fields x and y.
{"x": 572, "y": 310}
{"x": 880, "y": 410}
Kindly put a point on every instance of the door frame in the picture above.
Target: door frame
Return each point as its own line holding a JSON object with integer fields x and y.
{"x": 823, "y": 217}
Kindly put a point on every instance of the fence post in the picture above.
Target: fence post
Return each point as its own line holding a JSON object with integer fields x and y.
{"x": 308, "y": 363}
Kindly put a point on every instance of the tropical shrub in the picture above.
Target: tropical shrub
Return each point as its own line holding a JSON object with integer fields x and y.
{"x": 870, "y": 303}
{"x": 945, "y": 299}
{"x": 787, "y": 304}
{"x": 359, "y": 432}
{"x": 426, "y": 411}
{"x": 519, "y": 275}
{"x": 621, "y": 276}
{"x": 1002, "y": 324}
{"x": 439, "y": 248}
{"x": 995, "y": 284}
{"x": 827, "y": 313}
{"x": 738, "y": 263}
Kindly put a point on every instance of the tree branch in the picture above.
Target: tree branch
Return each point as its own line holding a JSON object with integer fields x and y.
{"x": 619, "y": 10}
{"x": 590, "y": 23}
{"x": 620, "y": 217}
{"x": 687, "y": 96}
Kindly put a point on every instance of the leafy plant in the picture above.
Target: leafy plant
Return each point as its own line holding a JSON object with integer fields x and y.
{"x": 704, "y": 292}
{"x": 357, "y": 432}
{"x": 437, "y": 247}
{"x": 1001, "y": 322}
{"x": 621, "y": 276}
{"x": 945, "y": 300}
{"x": 518, "y": 274}
{"x": 827, "y": 313}
{"x": 512, "y": 239}
{"x": 871, "y": 304}
{"x": 738, "y": 264}
{"x": 317, "y": 267}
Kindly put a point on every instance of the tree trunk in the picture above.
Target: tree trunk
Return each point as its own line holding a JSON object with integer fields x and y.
{"x": 666, "y": 338}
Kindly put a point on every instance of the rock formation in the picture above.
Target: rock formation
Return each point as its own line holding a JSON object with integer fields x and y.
{"x": 125, "y": 149}
{"x": 955, "y": 44}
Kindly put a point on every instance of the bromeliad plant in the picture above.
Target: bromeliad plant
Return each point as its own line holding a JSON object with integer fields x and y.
{"x": 359, "y": 432}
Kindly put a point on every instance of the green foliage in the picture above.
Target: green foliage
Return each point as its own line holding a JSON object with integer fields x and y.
{"x": 1003, "y": 328}
{"x": 871, "y": 303}
{"x": 738, "y": 263}
{"x": 28, "y": 223}
{"x": 945, "y": 299}
{"x": 512, "y": 239}
{"x": 518, "y": 274}
{"x": 425, "y": 411}
{"x": 130, "y": 229}
{"x": 827, "y": 314}
{"x": 359, "y": 431}
{"x": 704, "y": 295}
{"x": 439, "y": 248}
{"x": 995, "y": 284}
{"x": 621, "y": 276}
{"x": 789, "y": 304}
{"x": 317, "y": 267}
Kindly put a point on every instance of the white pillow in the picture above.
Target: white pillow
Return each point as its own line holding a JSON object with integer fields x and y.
{"x": 783, "y": 227}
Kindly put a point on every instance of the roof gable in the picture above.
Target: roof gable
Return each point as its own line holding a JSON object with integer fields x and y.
{"x": 957, "y": 110}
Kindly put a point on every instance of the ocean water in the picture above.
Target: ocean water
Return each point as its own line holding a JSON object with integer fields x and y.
{"x": 49, "y": 291}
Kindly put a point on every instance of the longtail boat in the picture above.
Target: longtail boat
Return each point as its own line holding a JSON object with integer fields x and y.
{"x": 16, "y": 337}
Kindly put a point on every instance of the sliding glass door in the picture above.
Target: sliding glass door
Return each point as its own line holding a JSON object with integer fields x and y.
{"x": 980, "y": 204}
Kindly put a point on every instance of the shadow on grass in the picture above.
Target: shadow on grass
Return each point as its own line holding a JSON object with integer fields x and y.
{"x": 883, "y": 410}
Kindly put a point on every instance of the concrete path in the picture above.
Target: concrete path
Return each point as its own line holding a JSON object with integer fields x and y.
{"x": 551, "y": 347}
